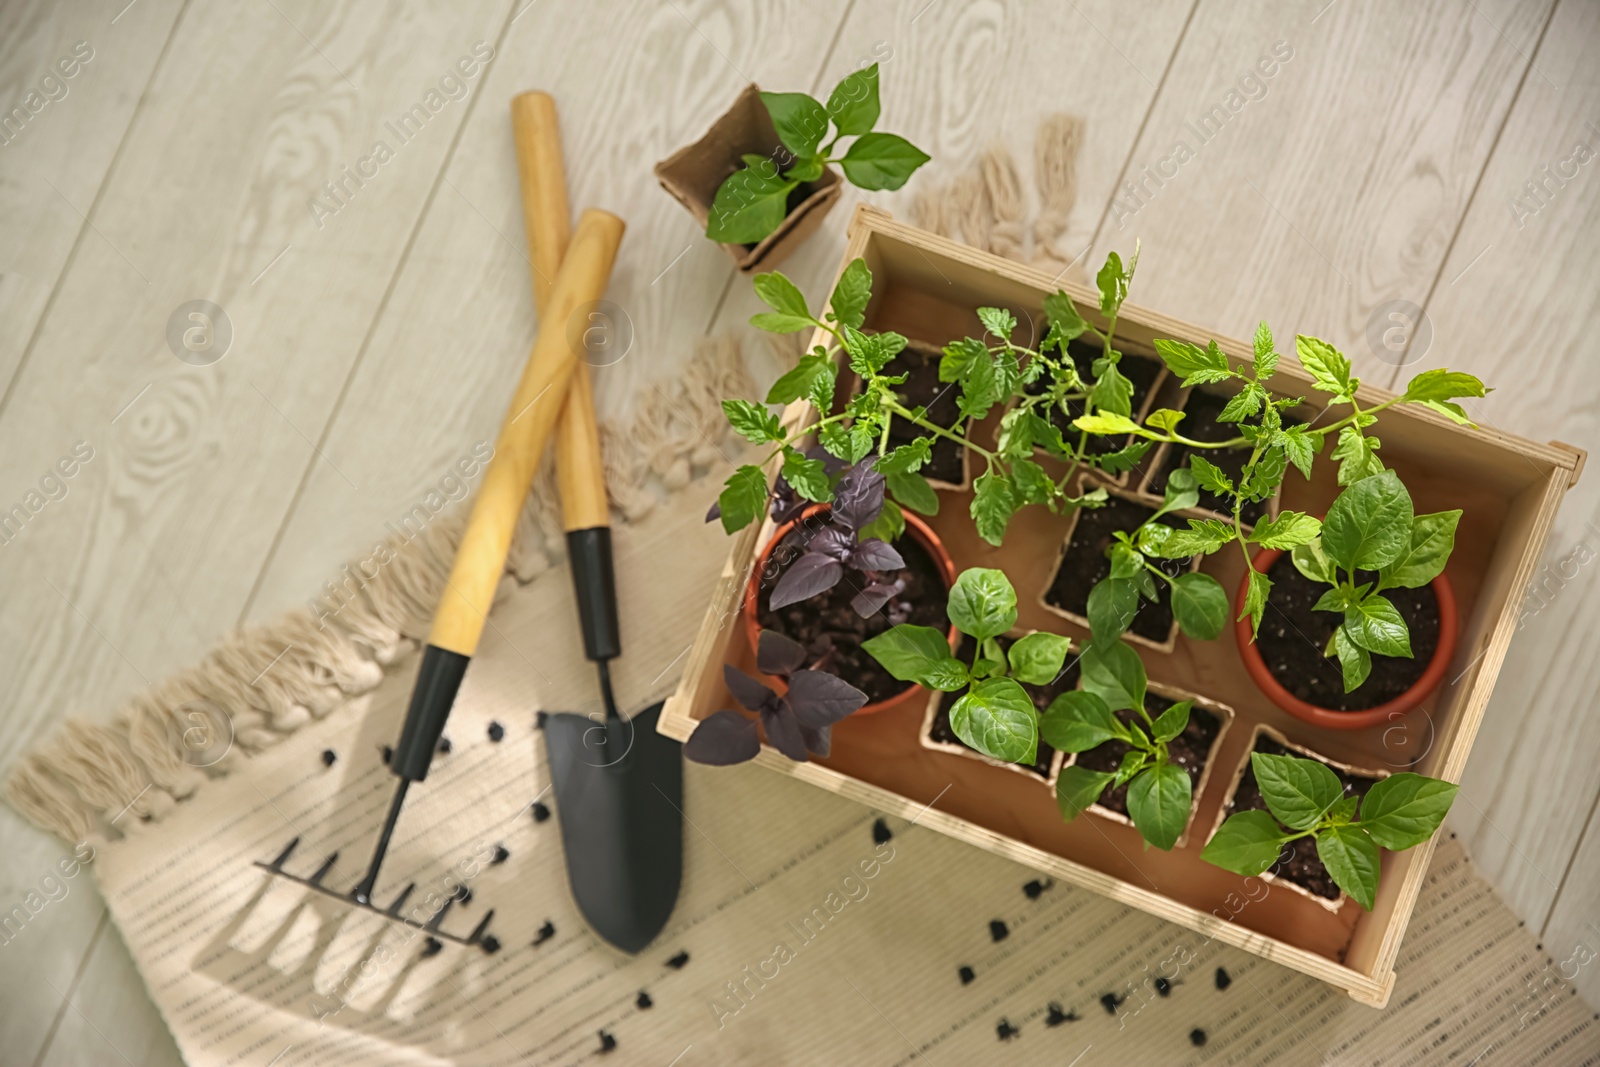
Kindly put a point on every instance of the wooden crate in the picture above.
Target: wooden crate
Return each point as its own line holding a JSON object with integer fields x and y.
{"x": 928, "y": 288}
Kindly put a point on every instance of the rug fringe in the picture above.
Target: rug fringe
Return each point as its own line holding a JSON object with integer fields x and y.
{"x": 262, "y": 683}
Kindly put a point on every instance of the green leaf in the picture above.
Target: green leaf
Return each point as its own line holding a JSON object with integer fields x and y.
{"x": 1297, "y": 791}
{"x": 993, "y": 502}
{"x": 1113, "y": 672}
{"x": 1132, "y": 763}
{"x": 907, "y": 458}
{"x": 998, "y": 321}
{"x": 1352, "y": 860}
{"x": 998, "y": 718}
{"x": 948, "y": 675}
{"x": 1066, "y": 322}
{"x": 1123, "y": 459}
{"x": 1077, "y": 788}
{"x": 775, "y": 322}
{"x": 1171, "y": 723}
{"x": 1243, "y": 404}
{"x": 1441, "y": 385}
{"x": 1311, "y": 561}
{"x": 1266, "y": 357}
{"x": 888, "y": 526}
{"x": 752, "y": 421}
{"x": 1255, "y": 600}
{"x": 1112, "y": 604}
{"x": 1376, "y": 625}
{"x": 914, "y": 492}
{"x": 1264, "y": 475}
{"x": 1108, "y": 425}
{"x": 854, "y": 102}
{"x": 1200, "y": 605}
{"x": 1354, "y": 661}
{"x": 807, "y": 170}
{"x": 1248, "y": 843}
{"x": 743, "y": 498}
{"x": 808, "y": 477}
{"x": 748, "y": 207}
{"x": 1454, "y": 412}
{"x": 1158, "y": 803}
{"x": 781, "y": 295}
{"x": 870, "y": 353}
{"x": 821, "y": 391}
{"x": 984, "y": 667}
{"x": 1368, "y": 525}
{"x": 1113, "y": 283}
{"x": 1112, "y": 393}
{"x": 1330, "y": 370}
{"x": 1163, "y": 419}
{"x": 1032, "y": 484}
{"x": 798, "y": 382}
{"x": 1343, "y": 811}
{"x": 1210, "y": 476}
{"x": 1338, "y": 598}
{"x": 1203, "y": 537}
{"x": 1077, "y": 721}
{"x": 1403, "y": 810}
{"x": 910, "y": 653}
{"x": 1195, "y": 365}
{"x": 1125, "y": 562}
{"x": 1433, "y": 537}
{"x": 1356, "y": 455}
{"x": 1289, "y": 529}
{"x": 983, "y": 603}
{"x": 881, "y": 161}
{"x": 1301, "y": 447}
{"x": 959, "y": 358}
{"x": 1037, "y": 658}
{"x": 850, "y": 296}
{"x": 801, "y": 121}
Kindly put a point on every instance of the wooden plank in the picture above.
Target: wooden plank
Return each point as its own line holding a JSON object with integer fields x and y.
{"x": 1337, "y": 187}
{"x": 446, "y": 353}
{"x": 1530, "y": 790}
{"x": 76, "y": 72}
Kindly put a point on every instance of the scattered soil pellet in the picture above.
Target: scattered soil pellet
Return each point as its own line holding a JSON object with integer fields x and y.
{"x": 541, "y": 811}
{"x": 432, "y": 947}
{"x": 490, "y": 944}
{"x": 546, "y": 932}
{"x": 539, "y": 718}
{"x": 463, "y": 895}
{"x": 1057, "y": 1016}
{"x": 496, "y": 731}
{"x": 1005, "y": 1031}
{"x": 881, "y": 834}
{"x": 328, "y": 757}
{"x": 1110, "y": 1002}
{"x": 966, "y": 974}
{"x": 607, "y": 1042}
{"x": 1197, "y": 1037}
{"x": 1035, "y": 889}
{"x": 998, "y": 930}
{"x": 644, "y": 1003}
{"x": 677, "y": 962}
{"x": 1224, "y": 980}
{"x": 444, "y": 746}
{"x": 501, "y": 854}
{"x": 388, "y": 755}
{"x": 1163, "y": 987}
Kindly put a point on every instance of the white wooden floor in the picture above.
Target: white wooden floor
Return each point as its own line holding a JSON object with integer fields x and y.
{"x": 372, "y": 347}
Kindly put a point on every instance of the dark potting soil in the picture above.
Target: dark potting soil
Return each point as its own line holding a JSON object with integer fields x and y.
{"x": 1200, "y": 423}
{"x": 1188, "y": 750}
{"x": 922, "y": 388}
{"x": 1085, "y": 563}
{"x": 1142, "y": 371}
{"x": 1293, "y": 637}
{"x": 1303, "y": 868}
{"x": 1041, "y": 695}
{"x": 797, "y": 196}
{"x": 831, "y": 630}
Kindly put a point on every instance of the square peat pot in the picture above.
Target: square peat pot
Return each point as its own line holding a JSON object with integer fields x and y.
{"x": 694, "y": 173}
{"x": 929, "y": 288}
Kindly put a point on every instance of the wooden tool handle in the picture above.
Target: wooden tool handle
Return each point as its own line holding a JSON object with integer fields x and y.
{"x": 579, "y": 472}
{"x": 530, "y": 420}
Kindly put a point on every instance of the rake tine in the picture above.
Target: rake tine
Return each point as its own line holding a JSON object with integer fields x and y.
{"x": 438, "y": 916}
{"x": 478, "y": 931}
{"x": 327, "y": 865}
{"x": 277, "y": 864}
{"x": 399, "y": 901}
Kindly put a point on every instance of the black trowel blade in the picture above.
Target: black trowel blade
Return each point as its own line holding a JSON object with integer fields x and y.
{"x": 619, "y": 794}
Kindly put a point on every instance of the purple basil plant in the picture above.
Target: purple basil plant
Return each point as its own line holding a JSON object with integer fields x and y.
{"x": 786, "y": 503}
{"x": 799, "y": 724}
{"x": 827, "y": 552}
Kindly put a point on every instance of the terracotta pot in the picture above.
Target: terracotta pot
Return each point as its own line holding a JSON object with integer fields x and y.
{"x": 915, "y": 528}
{"x": 1327, "y": 718}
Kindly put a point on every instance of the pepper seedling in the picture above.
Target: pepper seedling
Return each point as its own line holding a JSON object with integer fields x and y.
{"x": 1306, "y": 799}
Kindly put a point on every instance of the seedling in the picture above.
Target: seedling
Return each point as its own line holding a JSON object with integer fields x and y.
{"x": 994, "y": 715}
{"x": 799, "y": 723}
{"x": 1306, "y": 799}
{"x": 857, "y": 502}
{"x": 753, "y": 201}
{"x": 1159, "y": 792}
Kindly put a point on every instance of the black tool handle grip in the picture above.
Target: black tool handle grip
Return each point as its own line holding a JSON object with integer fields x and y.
{"x": 594, "y": 582}
{"x": 437, "y": 681}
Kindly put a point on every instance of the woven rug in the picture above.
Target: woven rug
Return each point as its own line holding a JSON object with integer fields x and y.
{"x": 808, "y": 931}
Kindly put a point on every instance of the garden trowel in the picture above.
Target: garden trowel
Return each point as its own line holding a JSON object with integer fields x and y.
{"x": 618, "y": 782}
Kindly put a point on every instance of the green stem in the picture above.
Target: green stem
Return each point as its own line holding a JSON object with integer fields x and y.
{"x": 894, "y": 407}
